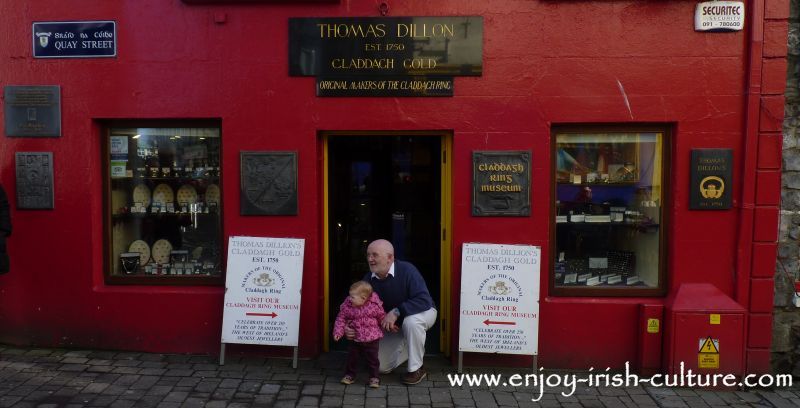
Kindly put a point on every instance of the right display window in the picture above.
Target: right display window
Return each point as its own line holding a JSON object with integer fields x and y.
{"x": 610, "y": 194}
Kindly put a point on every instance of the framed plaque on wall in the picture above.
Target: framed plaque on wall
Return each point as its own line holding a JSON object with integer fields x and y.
{"x": 711, "y": 176}
{"x": 501, "y": 183}
{"x": 268, "y": 183}
{"x": 32, "y": 111}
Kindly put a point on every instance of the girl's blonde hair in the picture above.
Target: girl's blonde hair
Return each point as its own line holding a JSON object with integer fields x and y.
{"x": 362, "y": 288}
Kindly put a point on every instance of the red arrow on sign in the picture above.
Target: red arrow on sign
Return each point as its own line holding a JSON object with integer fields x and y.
{"x": 273, "y": 314}
{"x": 488, "y": 322}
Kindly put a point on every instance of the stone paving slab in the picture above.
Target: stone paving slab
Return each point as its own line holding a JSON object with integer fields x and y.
{"x": 39, "y": 377}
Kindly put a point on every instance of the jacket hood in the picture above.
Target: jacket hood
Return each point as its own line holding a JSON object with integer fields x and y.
{"x": 374, "y": 298}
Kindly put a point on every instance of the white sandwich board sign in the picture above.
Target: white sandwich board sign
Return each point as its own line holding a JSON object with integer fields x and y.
{"x": 499, "y": 299}
{"x": 263, "y": 285}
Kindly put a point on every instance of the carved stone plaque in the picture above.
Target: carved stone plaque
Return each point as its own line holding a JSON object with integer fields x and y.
{"x": 269, "y": 183}
{"x": 501, "y": 183}
{"x": 32, "y": 111}
{"x": 34, "y": 180}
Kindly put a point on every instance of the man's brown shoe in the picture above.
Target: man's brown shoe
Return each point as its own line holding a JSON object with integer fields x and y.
{"x": 415, "y": 377}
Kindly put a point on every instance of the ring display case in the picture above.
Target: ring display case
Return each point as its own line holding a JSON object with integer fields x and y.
{"x": 609, "y": 189}
{"x": 164, "y": 207}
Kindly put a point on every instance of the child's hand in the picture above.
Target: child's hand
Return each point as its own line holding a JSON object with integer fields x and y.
{"x": 336, "y": 338}
{"x": 349, "y": 333}
{"x": 394, "y": 328}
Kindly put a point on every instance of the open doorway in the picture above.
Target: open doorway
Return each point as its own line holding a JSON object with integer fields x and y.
{"x": 384, "y": 186}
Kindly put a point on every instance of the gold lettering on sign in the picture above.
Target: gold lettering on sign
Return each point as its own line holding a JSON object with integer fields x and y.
{"x": 419, "y": 63}
{"x": 515, "y": 188}
{"x": 501, "y": 177}
{"x": 514, "y": 168}
{"x": 351, "y": 30}
{"x": 362, "y": 63}
{"x": 425, "y": 31}
{"x": 501, "y": 173}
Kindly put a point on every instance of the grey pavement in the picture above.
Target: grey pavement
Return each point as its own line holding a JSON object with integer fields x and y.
{"x": 36, "y": 377}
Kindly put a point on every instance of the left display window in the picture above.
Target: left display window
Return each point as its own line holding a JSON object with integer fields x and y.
{"x": 164, "y": 205}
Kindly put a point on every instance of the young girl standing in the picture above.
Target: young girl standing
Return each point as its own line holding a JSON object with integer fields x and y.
{"x": 362, "y": 311}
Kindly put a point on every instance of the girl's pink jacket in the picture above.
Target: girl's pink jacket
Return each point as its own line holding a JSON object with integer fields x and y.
{"x": 364, "y": 319}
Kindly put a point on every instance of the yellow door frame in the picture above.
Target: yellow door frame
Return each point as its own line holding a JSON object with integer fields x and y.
{"x": 445, "y": 254}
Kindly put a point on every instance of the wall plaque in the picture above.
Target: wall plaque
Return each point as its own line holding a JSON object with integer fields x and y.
{"x": 711, "y": 179}
{"x": 34, "y": 180}
{"x": 450, "y": 46}
{"x": 74, "y": 39}
{"x": 269, "y": 183}
{"x": 386, "y": 56}
{"x": 32, "y": 111}
{"x": 501, "y": 183}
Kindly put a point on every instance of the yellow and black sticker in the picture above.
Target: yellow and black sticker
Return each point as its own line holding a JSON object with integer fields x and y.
{"x": 652, "y": 325}
{"x": 708, "y": 356}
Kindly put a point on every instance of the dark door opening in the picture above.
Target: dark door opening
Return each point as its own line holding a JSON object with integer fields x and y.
{"x": 383, "y": 187}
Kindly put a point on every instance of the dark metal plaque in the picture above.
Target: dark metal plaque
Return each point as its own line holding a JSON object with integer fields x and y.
{"x": 711, "y": 177}
{"x": 34, "y": 180}
{"x": 32, "y": 111}
{"x": 501, "y": 183}
{"x": 381, "y": 46}
{"x": 385, "y": 86}
{"x": 269, "y": 183}
{"x": 74, "y": 39}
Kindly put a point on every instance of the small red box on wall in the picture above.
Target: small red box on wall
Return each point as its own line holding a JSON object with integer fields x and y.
{"x": 704, "y": 331}
{"x": 651, "y": 320}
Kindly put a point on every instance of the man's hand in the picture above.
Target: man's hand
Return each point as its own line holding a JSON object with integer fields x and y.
{"x": 388, "y": 323}
{"x": 349, "y": 333}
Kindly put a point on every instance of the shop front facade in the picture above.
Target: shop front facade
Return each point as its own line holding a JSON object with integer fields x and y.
{"x": 640, "y": 155}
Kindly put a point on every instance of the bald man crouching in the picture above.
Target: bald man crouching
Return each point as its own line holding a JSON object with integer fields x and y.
{"x": 409, "y": 310}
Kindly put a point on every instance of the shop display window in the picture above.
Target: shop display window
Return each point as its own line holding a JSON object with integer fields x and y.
{"x": 164, "y": 205}
{"x": 609, "y": 213}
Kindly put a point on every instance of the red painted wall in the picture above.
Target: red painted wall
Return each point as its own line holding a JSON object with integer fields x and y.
{"x": 545, "y": 62}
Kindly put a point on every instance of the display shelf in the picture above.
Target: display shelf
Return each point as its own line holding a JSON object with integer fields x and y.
{"x": 601, "y": 184}
{"x": 639, "y": 285}
{"x": 138, "y": 216}
{"x": 616, "y": 224}
{"x": 140, "y": 279}
{"x": 166, "y": 179}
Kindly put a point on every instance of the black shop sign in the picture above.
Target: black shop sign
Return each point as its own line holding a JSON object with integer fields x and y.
{"x": 386, "y": 56}
{"x": 711, "y": 176}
